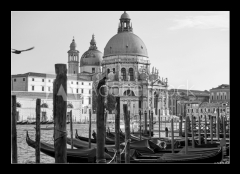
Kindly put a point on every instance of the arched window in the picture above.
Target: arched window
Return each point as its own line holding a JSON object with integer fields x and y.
{"x": 131, "y": 74}
{"x": 108, "y": 71}
{"x": 69, "y": 105}
{"x": 155, "y": 102}
{"x": 128, "y": 93}
{"x": 123, "y": 71}
{"x": 44, "y": 105}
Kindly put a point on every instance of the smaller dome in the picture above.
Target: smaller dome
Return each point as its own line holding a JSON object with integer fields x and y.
{"x": 73, "y": 45}
{"x": 125, "y": 16}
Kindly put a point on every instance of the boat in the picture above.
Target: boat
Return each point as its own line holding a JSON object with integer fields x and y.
{"x": 46, "y": 128}
{"x": 44, "y": 122}
{"x": 73, "y": 155}
{"x": 107, "y": 140}
{"x": 50, "y": 122}
{"x": 19, "y": 122}
{"x": 24, "y": 122}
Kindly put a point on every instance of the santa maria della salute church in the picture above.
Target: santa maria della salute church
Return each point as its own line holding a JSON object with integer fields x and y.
{"x": 124, "y": 62}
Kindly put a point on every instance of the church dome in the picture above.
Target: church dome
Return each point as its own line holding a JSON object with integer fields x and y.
{"x": 92, "y": 57}
{"x": 125, "y": 43}
{"x": 125, "y": 15}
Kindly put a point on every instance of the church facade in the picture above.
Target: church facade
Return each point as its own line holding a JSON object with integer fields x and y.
{"x": 126, "y": 65}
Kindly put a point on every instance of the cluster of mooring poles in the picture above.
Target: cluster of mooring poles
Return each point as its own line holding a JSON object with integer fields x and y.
{"x": 60, "y": 133}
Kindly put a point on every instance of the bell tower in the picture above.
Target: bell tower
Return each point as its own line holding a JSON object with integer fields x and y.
{"x": 73, "y": 59}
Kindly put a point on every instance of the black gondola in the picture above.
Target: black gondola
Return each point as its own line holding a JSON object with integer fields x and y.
{"x": 73, "y": 155}
{"x": 49, "y": 122}
{"x": 108, "y": 141}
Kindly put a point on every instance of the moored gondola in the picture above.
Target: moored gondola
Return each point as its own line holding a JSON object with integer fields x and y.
{"x": 73, "y": 155}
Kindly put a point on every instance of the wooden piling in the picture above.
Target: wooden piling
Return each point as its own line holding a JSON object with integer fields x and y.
{"x": 199, "y": 130}
{"x": 180, "y": 126}
{"x": 159, "y": 128}
{"x": 89, "y": 130}
{"x": 186, "y": 134}
{"x": 211, "y": 129}
{"x": 224, "y": 127}
{"x": 140, "y": 124}
{"x": 14, "y": 130}
{"x": 59, "y": 112}
{"x": 149, "y": 114}
{"x": 145, "y": 113}
{"x": 172, "y": 131}
{"x": 127, "y": 133}
{"x": 205, "y": 129}
{"x": 101, "y": 129}
{"x": 193, "y": 144}
{"x": 71, "y": 129}
{"x": 38, "y": 130}
{"x": 217, "y": 124}
{"x": 117, "y": 129}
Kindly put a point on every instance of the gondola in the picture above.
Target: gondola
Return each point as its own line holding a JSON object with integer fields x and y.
{"x": 107, "y": 140}
{"x": 43, "y": 122}
{"x": 49, "y": 122}
{"x": 73, "y": 155}
{"x": 19, "y": 122}
{"x": 33, "y": 122}
{"x": 46, "y": 128}
{"x": 24, "y": 122}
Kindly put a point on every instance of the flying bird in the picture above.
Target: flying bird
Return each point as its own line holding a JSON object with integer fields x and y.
{"x": 19, "y": 51}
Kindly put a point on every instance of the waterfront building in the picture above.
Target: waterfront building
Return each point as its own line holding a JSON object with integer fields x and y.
{"x": 179, "y": 97}
{"x": 220, "y": 94}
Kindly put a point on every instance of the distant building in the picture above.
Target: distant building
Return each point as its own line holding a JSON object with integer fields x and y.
{"x": 179, "y": 97}
{"x": 220, "y": 94}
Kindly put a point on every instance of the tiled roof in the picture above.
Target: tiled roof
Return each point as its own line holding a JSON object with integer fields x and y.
{"x": 42, "y": 95}
{"x": 223, "y": 86}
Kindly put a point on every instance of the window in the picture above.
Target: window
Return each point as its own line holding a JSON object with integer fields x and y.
{"x": 89, "y": 84}
{"x": 32, "y": 88}
{"x": 42, "y": 80}
{"x": 114, "y": 70}
{"x": 42, "y": 88}
{"x": 89, "y": 101}
{"x": 192, "y": 110}
{"x": 71, "y": 82}
{"x": 196, "y": 110}
{"x": 131, "y": 74}
{"x": 217, "y": 97}
{"x": 14, "y": 80}
{"x": 82, "y": 111}
{"x": 73, "y": 72}
{"x": 108, "y": 71}
{"x": 123, "y": 71}
{"x": 89, "y": 91}
{"x": 32, "y": 79}
{"x": 139, "y": 104}
{"x": 82, "y": 83}
{"x": 188, "y": 110}
{"x": 49, "y": 88}
{"x": 225, "y": 96}
{"x": 49, "y": 80}
{"x": 76, "y": 90}
{"x": 208, "y": 110}
{"x": 23, "y": 79}
{"x": 82, "y": 90}
{"x": 212, "y": 97}
{"x": 220, "y": 97}
{"x": 93, "y": 70}
{"x": 82, "y": 101}
{"x": 77, "y": 83}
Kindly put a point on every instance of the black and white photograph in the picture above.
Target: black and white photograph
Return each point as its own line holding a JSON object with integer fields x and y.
{"x": 143, "y": 87}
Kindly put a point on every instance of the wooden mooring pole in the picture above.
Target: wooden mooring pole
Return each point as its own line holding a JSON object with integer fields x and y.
{"x": 199, "y": 130}
{"x": 145, "y": 122}
{"x": 211, "y": 128}
{"x": 14, "y": 130}
{"x": 180, "y": 126}
{"x": 193, "y": 144}
{"x": 159, "y": 122}
{"x": 127, "y": 133}
{"x": 101, "y": 129}
{"x": 205, "y": 130}
{"x": 59, "y": 112}
{"x": 186, "y": 134}
{"x": 217, "y": 124}
{"x": 140, "y": 124}
{"x": 71, "y": 129}
{"x": 38, "y": 130}
{"x": 117, "y": 129}
{"x": 172, "y": 131}
{"x": 89, "y": 130}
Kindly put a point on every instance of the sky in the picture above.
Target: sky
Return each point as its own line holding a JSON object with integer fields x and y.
{"x": 190, "y": 48}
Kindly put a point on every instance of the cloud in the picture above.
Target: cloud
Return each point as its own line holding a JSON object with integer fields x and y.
{"x": 210, "y": 20}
